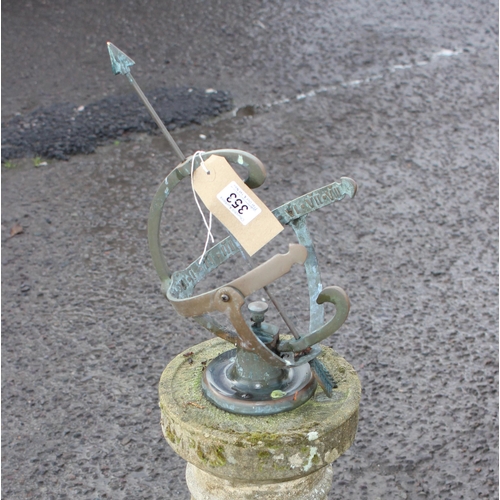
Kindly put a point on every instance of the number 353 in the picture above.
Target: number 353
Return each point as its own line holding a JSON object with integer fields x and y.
{"x": 236, "y": 203}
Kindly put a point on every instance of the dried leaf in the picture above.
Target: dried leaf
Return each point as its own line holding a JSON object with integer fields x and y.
{"x": 16, "y": 229}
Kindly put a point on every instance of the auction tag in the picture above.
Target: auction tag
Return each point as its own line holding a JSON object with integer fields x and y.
{"x": 235, "y": 205}
{"x": 239, "y": 203}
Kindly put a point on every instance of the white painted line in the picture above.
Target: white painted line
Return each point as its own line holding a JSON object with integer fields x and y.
{"x": 354, "y": 83}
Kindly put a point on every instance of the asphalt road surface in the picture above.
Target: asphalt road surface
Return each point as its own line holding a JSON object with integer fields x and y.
{"x": 400, "y": 96}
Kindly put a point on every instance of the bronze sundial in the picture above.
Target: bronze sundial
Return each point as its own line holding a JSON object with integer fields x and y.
{"x": 265, "y": 373}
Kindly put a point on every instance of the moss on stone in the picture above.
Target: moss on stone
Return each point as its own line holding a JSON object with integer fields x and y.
{"x": 268, "y": 440}
{"x": 170, "y": 435}
{"x": 212, "y": 455}
{"x": 280, "y": 467}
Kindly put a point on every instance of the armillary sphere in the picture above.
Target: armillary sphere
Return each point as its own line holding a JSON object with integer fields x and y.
{"x": 263, "y": 374}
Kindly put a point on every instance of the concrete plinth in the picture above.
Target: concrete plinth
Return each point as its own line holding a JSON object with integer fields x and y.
{"x": 287, "y": 455}
{"x": 205, "y": 486}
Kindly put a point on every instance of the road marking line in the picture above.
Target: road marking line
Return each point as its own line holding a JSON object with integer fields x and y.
{"x": 355, "y": 83}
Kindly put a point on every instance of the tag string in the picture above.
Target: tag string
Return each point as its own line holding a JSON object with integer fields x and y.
{"x": 208, "y": 224}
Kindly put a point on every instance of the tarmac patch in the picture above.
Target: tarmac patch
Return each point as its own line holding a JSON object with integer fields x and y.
{"x": 62, "y": 130}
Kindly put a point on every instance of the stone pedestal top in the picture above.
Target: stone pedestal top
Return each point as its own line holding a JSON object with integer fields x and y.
{"x": 263, "y": 449}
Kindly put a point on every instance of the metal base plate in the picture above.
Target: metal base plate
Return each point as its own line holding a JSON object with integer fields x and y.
{"x": 296, "y": 387}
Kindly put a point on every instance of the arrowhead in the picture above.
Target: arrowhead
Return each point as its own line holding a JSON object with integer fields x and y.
{"x": 120, "y": 62}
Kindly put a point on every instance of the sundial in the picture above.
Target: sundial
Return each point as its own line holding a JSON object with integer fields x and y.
{"x": 266, "y": 372}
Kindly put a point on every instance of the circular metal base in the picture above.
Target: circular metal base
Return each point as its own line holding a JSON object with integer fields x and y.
{"x": 220, "y": 387}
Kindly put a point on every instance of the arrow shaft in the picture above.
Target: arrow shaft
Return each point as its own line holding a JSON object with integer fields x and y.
{"x": 155, "y": 117}
{"x": 283, "y": 314}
